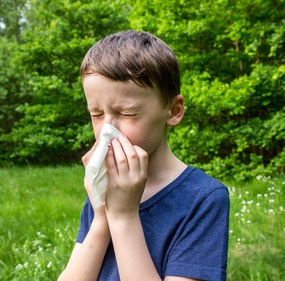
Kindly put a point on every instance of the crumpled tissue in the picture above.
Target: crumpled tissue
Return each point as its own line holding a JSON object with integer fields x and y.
{"x": 96, "y": 171}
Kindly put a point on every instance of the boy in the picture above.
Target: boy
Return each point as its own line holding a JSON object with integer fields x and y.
{"x": 162, "y": 219}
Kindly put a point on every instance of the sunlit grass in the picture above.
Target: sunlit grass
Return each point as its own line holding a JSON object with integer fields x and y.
{"x": 257, "y": 230}
{"x": 40, "y": 210}
{"x": 39, "y": 219}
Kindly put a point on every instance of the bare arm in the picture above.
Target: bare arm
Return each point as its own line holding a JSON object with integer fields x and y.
{"x": 86, "y": 258}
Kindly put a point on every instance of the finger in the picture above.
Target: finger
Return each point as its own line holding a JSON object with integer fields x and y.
{"x": 142, "y": 157}
{"x": 130, "y": 152}
{"x": 110, "y": 160}
{"x": 120, "y": 156}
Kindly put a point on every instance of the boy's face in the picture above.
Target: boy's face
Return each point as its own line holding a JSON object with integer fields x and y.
{"x": 136, "y": 111}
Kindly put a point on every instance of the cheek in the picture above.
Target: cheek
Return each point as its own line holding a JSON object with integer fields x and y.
{"x": 142, "y": 137}
{"x": 134, "y": 134}
{"x": 96, "y": 130}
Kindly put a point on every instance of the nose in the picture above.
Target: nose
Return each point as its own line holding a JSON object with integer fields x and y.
{"x": 111, "y": 119}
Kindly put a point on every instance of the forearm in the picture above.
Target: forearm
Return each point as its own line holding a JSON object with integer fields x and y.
{"x": 132, "y": 254}
{"x": 85, "y": 264}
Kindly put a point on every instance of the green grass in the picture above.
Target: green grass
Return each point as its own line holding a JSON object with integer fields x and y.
{"x": 257, "y": 230}
{"x": 39, "y": 219}
{"x": 40, "y": 209}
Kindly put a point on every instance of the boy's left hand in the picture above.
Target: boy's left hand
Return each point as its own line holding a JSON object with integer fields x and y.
{"x": 127, "y": 174}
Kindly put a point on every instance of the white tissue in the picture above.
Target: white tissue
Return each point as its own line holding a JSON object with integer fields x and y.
{"x": 96, "y": 171}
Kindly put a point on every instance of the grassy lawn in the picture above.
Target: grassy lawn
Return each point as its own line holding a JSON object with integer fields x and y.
{"x": 40, "y": 209}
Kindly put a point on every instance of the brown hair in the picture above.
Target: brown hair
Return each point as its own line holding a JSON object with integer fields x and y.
{"x": 137, "y": 56}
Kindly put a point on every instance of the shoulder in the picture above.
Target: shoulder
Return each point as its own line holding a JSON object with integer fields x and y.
{"x": 198, "y": 185}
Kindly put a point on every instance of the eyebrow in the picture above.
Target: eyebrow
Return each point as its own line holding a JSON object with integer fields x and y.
{"x": 92, "y": 109}
{"x": 125, "y": 108}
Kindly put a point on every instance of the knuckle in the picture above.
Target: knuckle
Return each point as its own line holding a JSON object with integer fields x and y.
{"x": 122, "y": 161}
{"x": 133, "y": 156}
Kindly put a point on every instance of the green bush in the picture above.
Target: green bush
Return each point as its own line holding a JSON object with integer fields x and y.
{"x": 233, "y": 79}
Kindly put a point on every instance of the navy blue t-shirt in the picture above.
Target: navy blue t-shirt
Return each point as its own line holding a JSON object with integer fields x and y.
{"x": 185, "y": 227}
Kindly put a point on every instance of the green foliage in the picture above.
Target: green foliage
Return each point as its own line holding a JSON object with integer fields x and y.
{"x": 233, "y": 79}
{"x": 12, "y": 18}
{"x": 232, "y": 62}
{"x": 235, "y": 130}
{"x": 52, "y": 119}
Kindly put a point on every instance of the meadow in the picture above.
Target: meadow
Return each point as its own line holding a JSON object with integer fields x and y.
{"x": 39, "y": 219}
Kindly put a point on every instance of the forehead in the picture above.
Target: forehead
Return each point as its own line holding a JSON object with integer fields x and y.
{"x": 99, "y": 87}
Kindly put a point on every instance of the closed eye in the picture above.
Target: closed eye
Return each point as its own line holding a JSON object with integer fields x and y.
{"x": 96, "y": 115}
{"x": 127, "y": 114}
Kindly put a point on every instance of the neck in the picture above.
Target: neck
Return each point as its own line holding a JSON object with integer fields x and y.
{"x": 164, "y": 167}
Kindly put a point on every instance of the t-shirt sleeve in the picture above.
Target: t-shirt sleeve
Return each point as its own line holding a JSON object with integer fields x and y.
{"x": 86, "y": 219}
{"x": 201, "y": 249}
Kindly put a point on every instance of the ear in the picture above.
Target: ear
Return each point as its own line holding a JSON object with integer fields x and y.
{"x": 176, "y": 111}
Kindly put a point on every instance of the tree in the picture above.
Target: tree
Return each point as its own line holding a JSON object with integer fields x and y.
{"x": 232, "y": 63}
{"x": 55, "y": 123}
{"x": 12, "y": 18}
